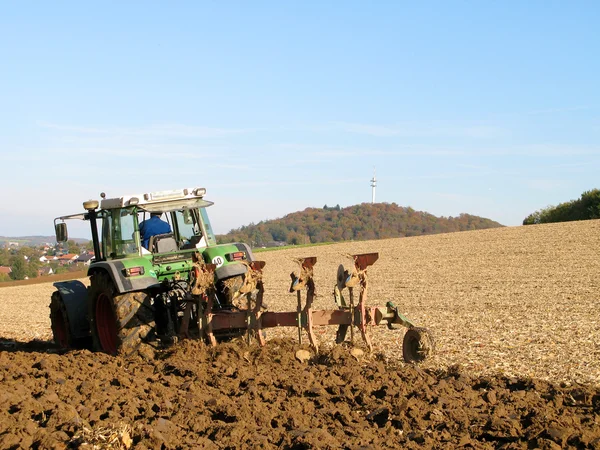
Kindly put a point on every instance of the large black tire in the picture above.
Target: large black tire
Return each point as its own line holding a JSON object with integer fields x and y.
{"x": 59, "y": 322}
{"x": 119, "y": 323}
{"x": 418, "y": 344}
{"x": 61, "y": 326}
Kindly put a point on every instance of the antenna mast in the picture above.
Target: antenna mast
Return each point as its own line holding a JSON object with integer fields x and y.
{"x": 373, "y": 185}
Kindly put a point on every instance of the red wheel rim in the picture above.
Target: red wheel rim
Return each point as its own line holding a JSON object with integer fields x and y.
{"x": 106, "y": 325}
{"x": 60, "y": 329}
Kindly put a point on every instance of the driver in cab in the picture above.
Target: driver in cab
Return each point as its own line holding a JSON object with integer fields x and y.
{"x": 151, "y": 227}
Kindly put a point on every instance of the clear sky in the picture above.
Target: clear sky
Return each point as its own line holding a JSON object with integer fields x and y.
{"x": 489, "y": 108}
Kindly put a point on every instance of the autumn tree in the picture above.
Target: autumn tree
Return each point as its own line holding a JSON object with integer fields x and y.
{"x": 584, "y": 208}
{"x": 19, "y": 268}
{"x": 33, "y": 266}
{"x": 73, "y": 247}
{"x": 4, "y": 257}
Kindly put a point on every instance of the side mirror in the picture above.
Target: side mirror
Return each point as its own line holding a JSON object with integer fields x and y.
{"x": 61, "y": 232}
{"x": 187, "y": 217}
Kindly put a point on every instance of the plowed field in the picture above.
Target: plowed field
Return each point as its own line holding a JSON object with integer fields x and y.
{"x": 514, "y": 312}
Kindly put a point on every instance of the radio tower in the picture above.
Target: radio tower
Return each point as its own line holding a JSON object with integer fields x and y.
{"x": 373, "y": 185}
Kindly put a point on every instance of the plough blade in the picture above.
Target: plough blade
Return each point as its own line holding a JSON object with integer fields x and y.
{"x": 304, "y": 314}
{"x": 300, "y": 279}
{"x": 361, "y": 262}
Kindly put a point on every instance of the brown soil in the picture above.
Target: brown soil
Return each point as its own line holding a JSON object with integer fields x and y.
{"x": 236, "y": 396}
{"x": 517, "y": 363}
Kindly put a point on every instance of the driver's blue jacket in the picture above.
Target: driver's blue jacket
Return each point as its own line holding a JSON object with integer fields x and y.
{"x": 151, "y": 227}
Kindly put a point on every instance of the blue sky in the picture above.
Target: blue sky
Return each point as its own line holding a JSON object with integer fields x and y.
{"x": 490, "y": 108}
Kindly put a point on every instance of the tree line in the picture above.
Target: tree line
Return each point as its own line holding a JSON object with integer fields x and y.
{"x": 360, "y": 222}
{"x": 584, "y": 208}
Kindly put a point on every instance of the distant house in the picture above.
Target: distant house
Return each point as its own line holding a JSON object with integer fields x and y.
{"x": 276, "y": 244}
{"x": 5, "y": 270}
{"x": 45, "y": 271}
{"x": 67, "y": 259}
{"x": 48, "y": 258}
{"x": 86, "y": 258}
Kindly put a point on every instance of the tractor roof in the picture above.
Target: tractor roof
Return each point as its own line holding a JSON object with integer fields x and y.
{"x": 160, "y": 201}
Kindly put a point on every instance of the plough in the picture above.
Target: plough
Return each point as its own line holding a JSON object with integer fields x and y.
{"x": 350, "y": 314}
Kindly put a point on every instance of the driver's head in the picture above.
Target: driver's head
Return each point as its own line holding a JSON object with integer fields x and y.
{"x": 155, "y": 214}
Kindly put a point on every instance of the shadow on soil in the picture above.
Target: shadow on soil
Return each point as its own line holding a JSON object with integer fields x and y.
{"x": 35, "y": 346}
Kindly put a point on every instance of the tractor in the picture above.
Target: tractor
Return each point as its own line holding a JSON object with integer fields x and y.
{"x": 182, "y": 284}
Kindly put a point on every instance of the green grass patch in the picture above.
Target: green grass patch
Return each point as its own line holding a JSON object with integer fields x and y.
{"x": 286, "y": 247}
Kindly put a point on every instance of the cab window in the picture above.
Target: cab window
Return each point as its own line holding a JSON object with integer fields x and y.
{"x": 186, "y": 226}
{"x": 210, "y": 236}
{"x": 119, "y": 233}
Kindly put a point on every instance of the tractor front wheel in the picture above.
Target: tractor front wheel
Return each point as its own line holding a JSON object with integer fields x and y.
{"x": 119, "y": 322}
{"x": 59, "y": 322}
{"x": 418, "y": 345}
{"x": 62, "y": 324}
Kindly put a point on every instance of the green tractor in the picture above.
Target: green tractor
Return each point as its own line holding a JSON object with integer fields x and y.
{"x": 138, "y": 294}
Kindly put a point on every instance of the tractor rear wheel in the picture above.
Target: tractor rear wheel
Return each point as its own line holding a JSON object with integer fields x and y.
{"x": 119, "y": 322}
{"x": 226, "y": 290}
{"x": 418, "y": 345}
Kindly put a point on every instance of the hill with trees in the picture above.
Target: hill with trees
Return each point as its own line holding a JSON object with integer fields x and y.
{"x": 584, "y": 208}
{"x": 359, "y": 222}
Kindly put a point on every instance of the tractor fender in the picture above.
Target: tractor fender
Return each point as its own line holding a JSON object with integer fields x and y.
{"x": 123, "y": 284}
{"x": 74, "y": 297}
{"x": 230, "y": 270}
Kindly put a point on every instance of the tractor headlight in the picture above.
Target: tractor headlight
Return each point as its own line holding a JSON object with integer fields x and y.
{"x": 90, "y": 205}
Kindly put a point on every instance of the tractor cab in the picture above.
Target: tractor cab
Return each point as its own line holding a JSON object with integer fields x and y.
{"x": 135, "y": 262}
{"x": 116, "y": 230}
